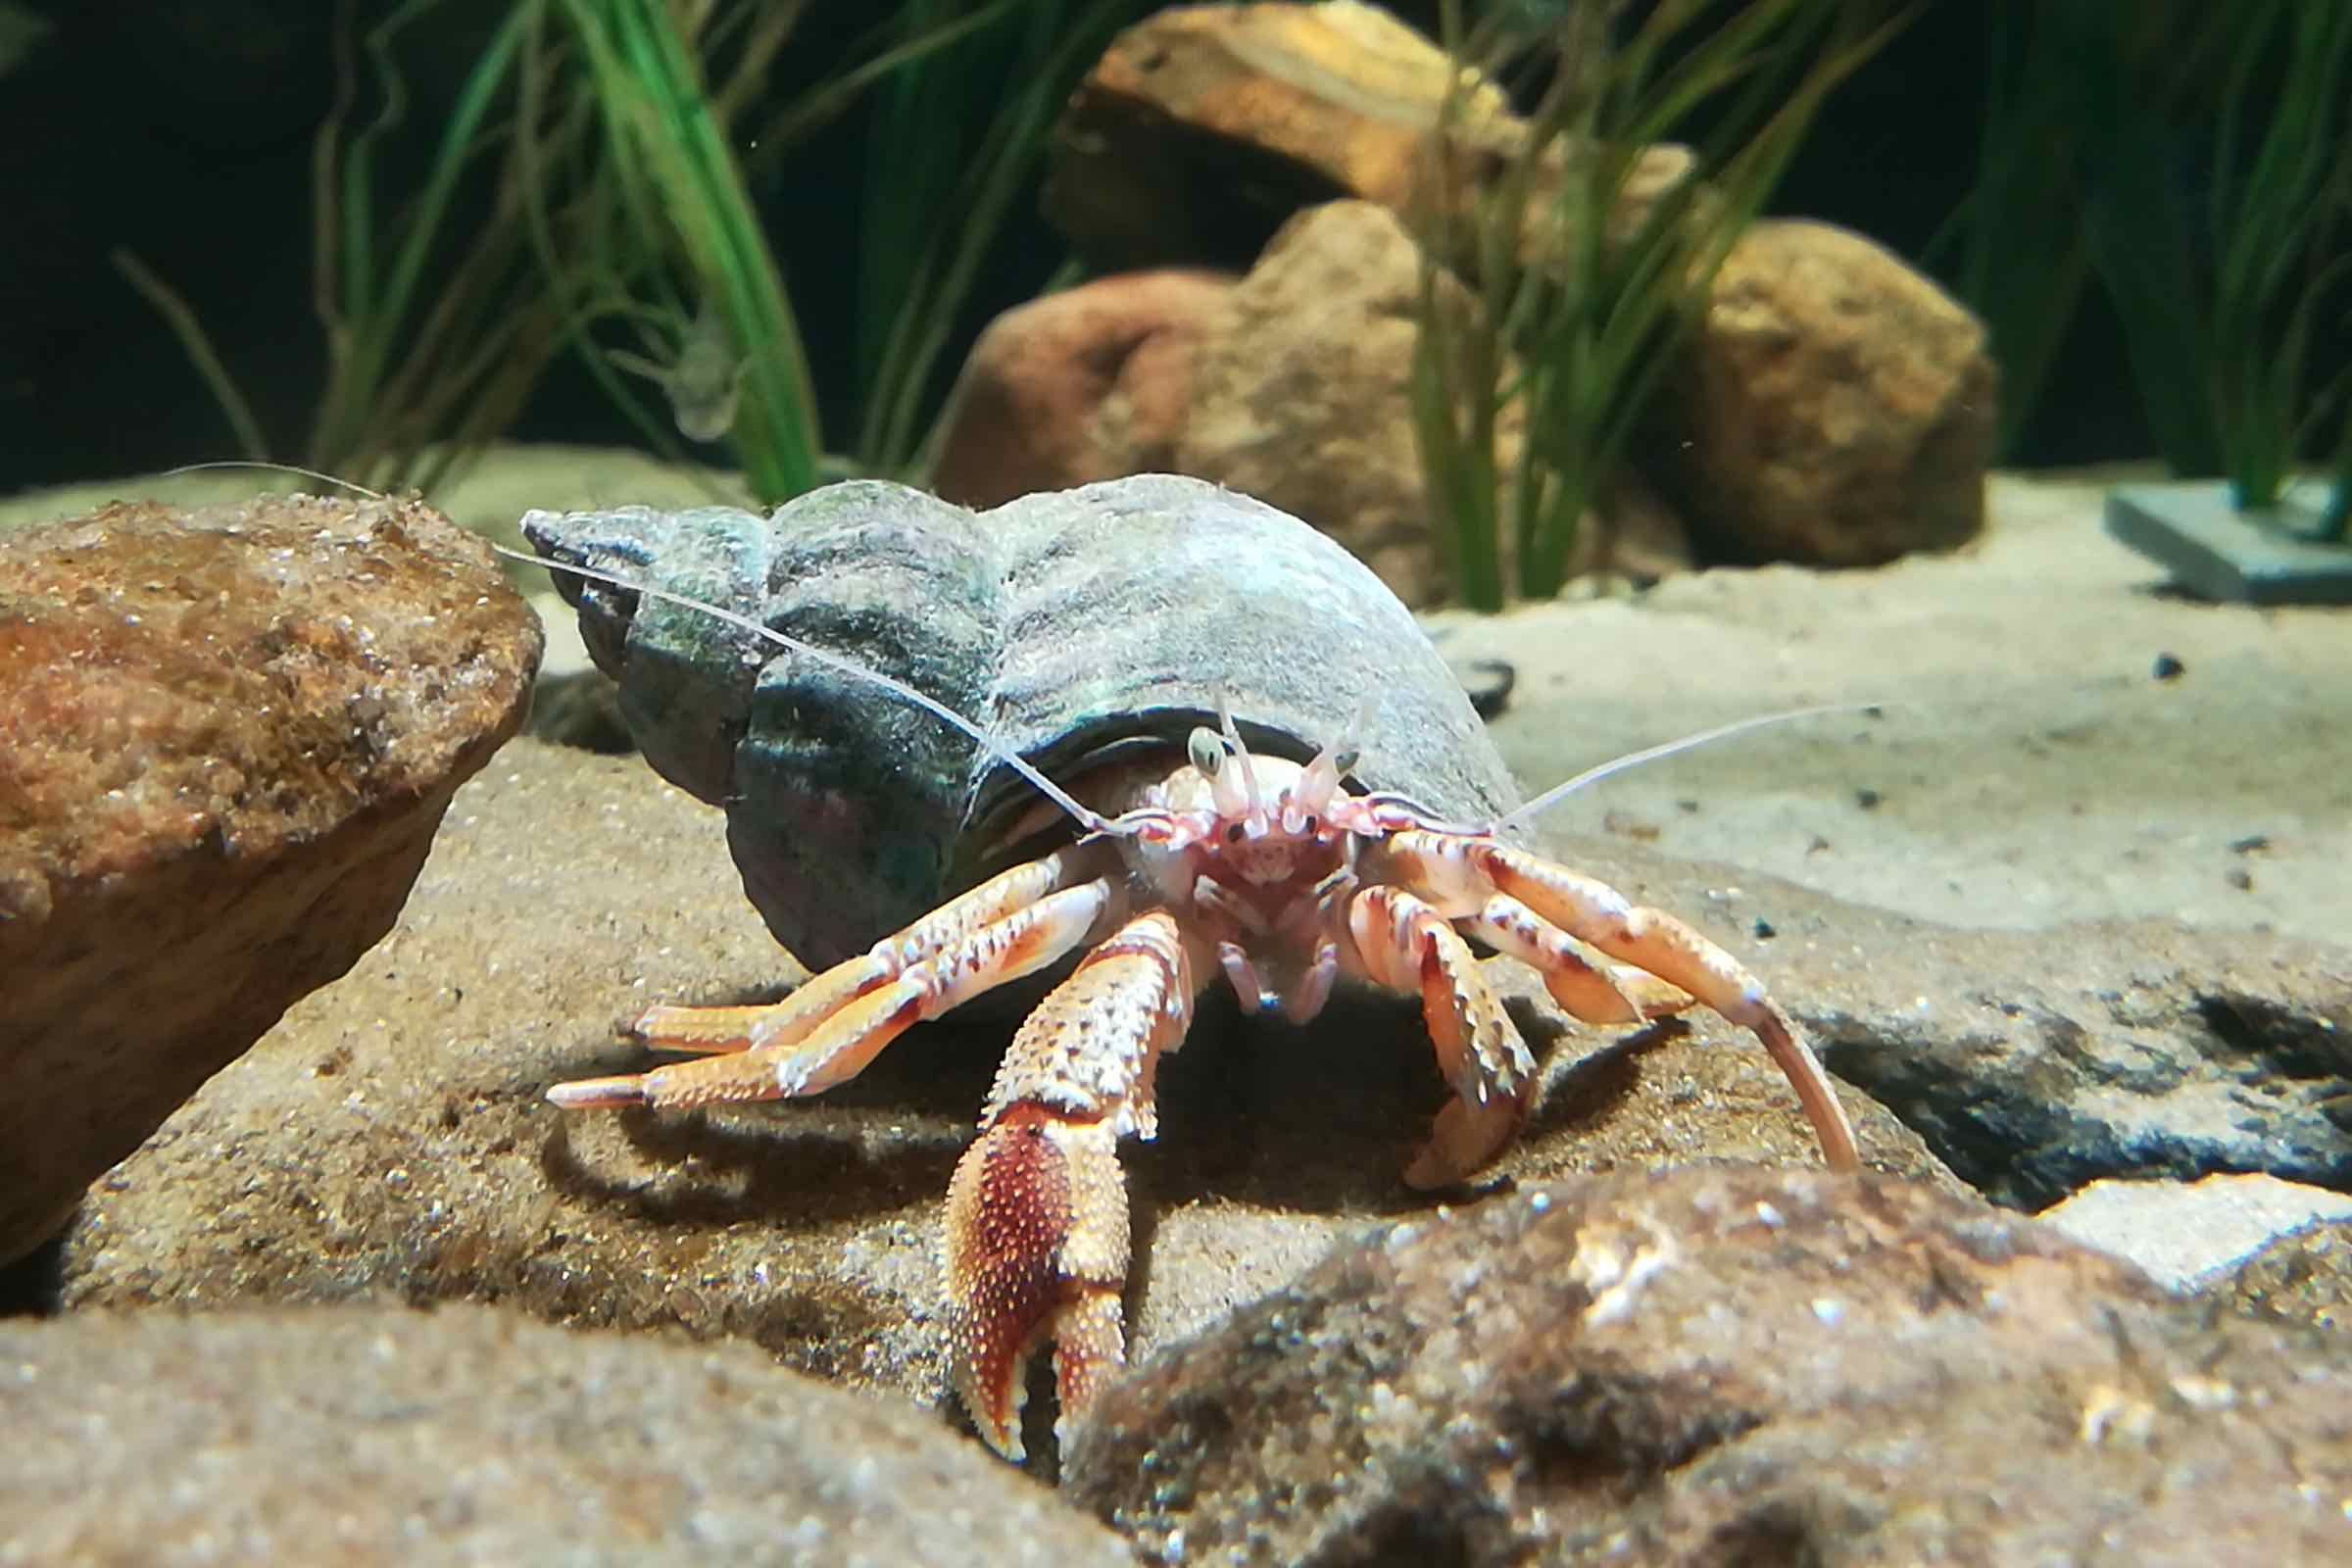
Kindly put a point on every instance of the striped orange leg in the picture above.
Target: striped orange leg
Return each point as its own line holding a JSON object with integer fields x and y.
{"x": 1463, "y": 876}
{"x": 1589, "y": 993}
{"x": 1037, "y": 1213}
{"x": 827, "y": 1031}
{"x": 1404, "y": 942}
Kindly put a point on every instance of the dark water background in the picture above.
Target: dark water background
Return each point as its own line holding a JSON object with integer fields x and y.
{"x": 182, "y": 129}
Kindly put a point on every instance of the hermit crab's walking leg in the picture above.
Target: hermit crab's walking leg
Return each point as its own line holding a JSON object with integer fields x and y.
{"x": 824, "y": 1033}
{"x": 1037, "y": 1213}
{"x": 1402, "y": 942}
{"x": 1462, "y": 875}
{"x": 1591, "y": 993}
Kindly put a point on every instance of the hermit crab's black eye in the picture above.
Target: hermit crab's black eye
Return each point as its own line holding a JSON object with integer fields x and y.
{"x": 1313, "y": 825}
{"x": 1344, "y": 762}
{"x": 1208, "y": 751}
{"x": 1234, "y": 832}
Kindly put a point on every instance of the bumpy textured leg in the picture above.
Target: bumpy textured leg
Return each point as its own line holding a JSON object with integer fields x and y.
{"x": 1461, "y": 875}
{"x": 1404, "y": 942}
{"x": 827, "y": 1031}
{"x": 1036, "y": 1214}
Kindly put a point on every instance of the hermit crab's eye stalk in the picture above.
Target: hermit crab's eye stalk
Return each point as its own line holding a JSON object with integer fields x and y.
{"x": 1317, "y": 783}
{"x": 1228, "y": 790}
{"x": 1312, "y": 795}
{"x": 1252, "y": 809}
{"x": 1207, "y": 752}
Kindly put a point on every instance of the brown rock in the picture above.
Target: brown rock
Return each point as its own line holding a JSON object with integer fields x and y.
{"x": 1303, "y": 393}
{"x": 1723, "y": 1365}
{"x": 2305, "y": 1278}
{"x": 1091, "y": 383}
{"x": 468, "y": 1436}
{"x": 2140, "y": 1049}
{"x": 1835, "y": 408}
{"x": 1293, "y": 385}
{"x": 1204, "y": 129}
{"x": 228, "y": 737}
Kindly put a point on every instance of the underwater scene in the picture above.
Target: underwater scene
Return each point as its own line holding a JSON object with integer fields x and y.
{"x": 1475, "y": 782}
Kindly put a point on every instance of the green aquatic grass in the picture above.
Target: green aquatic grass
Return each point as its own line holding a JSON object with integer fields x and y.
{"x": 959, "y": 135}
{"x": 937, "y": 195}
{"x": 597, "y": 153}
{"x": 2195, "y": 162}
{"x": 433, "y": 340}
{"x": 681, "y": 193}
{"x": 2281, "y": 194}
{"x": 1592, "y": 323}
{"x": 2015, "y": 249}
{"x": 2336, "y": 514}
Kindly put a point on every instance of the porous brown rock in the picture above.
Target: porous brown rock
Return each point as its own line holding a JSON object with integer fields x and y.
{"x": 1092, "y": 383}
{"x": 228, "y": 738}
{"x": 2304, "y": 1278}
{"x": 1836, "y": 407}
{"x": 469, "y": 1434}
{"x": 1727, "y": 1364}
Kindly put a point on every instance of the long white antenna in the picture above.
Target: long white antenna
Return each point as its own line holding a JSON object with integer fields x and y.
{"x": 1650, "y": 754}
{"x": 1093, "y": 821}
{"x": 282, "y": 468}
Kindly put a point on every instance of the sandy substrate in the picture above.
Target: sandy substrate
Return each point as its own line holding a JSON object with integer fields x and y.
{"x": 2036, "y": 771}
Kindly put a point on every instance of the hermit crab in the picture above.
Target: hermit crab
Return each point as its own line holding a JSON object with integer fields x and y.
{"x": 1151, "y": 727}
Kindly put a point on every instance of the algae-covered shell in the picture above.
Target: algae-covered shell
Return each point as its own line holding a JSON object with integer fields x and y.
{"x": 1073, "y": 625}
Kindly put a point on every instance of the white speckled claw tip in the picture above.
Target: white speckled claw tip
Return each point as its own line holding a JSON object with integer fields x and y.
{"x": 587, "y": 1093}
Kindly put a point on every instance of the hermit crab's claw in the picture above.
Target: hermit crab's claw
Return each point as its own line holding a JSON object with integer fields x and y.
{"x": 1036, "y": 1214}
{"x": 1037, "y": 1252}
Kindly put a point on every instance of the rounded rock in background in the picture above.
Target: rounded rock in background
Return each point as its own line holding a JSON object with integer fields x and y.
{"x": 1293, "y": 385}
{"x": 227, "y": 740}
{"x": 1835, "y": 407}
{"x": 1090, "y": 383}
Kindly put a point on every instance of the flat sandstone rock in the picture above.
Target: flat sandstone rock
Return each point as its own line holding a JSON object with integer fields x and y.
{"x": 467, "y": 1435}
